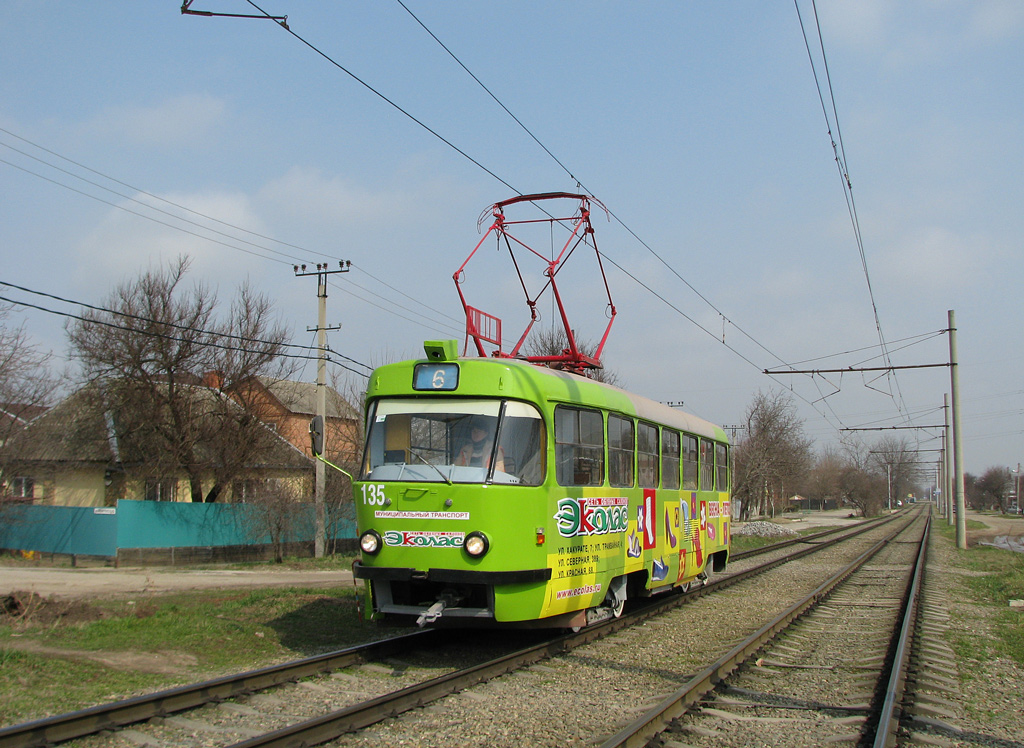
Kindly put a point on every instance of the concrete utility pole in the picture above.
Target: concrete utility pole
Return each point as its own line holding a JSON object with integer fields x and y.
{"x": 958, "y": 442}
{"x": 947, "y": 462}
{"x": 321, "y": 273}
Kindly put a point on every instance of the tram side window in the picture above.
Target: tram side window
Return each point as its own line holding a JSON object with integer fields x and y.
{"x": 689, "y": 462}
{"x": 669, "y": 459}
{"x": 579, "y": 447}
{"x": 722, "y": 466}
{"x": 707, "y": 465}
{"x": 647, "y": 455}
{"x": 620, "y": 451}
{"x": 521, "y": 442}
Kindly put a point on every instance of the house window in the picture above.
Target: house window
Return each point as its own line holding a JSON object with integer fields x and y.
{"x": 161, "y": 490}
{"x": 249, "y": 490}
{"x": 23, "y": 488}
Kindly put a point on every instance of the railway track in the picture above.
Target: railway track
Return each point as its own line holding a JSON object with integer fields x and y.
{"x": 249, "y": 721}
{"x": 831, "y": 668}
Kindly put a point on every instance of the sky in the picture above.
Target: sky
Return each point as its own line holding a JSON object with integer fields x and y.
{"x": 131, "y": 134}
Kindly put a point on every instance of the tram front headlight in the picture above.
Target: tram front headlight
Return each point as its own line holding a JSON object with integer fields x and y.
{"x": 370, "y": 542}
{"x": 476, "y": 544}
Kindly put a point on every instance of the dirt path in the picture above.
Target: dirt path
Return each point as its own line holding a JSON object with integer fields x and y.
{"x": 94, "y": 582}
{"x": 82, "y": 583}
{"x": 1002, "y": 530}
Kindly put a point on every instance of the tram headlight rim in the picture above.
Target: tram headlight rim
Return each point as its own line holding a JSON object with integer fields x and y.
{"x": 370, "y": 542}
{"x": 476, "y": 544}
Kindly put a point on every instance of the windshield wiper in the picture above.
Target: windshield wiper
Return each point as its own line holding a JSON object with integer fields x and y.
{"x": 424, "y": 460}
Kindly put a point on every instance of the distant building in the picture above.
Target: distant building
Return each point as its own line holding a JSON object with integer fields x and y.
{"x": 799, "y": 503}
{"x": 289, "y": 406}
{"x": 81, "y": 452}
{"x": 15, "y": 416}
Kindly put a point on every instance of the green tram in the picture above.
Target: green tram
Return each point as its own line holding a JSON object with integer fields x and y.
{"x": 495, "y": 491}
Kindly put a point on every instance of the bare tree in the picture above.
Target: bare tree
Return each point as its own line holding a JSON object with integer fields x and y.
{"x": 994, "y": 488}
{"x": 26, "y": 390}
{"x": 553, "y": 341}
{"x": 347, "y": 394}
{"x": 774, "y": 457}
{"x": 26, "y": 385}
{"x": 824, "y": 479}
{"x": 895, "y": 460}
{"x": 274, "y": 516}
{"x": 155, "y": 346}
{"x": 862, "y": 489}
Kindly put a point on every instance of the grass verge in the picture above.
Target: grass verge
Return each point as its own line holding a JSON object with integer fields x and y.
{"x": 993, "y": 577}
{"x": 63, "y": 656}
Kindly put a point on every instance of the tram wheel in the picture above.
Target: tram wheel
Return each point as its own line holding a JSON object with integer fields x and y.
{"x": 616, "y": 604}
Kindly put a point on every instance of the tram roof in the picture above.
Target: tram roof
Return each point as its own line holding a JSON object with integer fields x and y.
{"x": 564, "y": 387}
{"x": 647, "y": 409}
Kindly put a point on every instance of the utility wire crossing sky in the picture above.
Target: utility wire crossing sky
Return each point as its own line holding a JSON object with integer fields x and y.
{"x": 728, "y": 141}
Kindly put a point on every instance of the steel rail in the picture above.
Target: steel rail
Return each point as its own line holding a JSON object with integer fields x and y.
{"x": 330, "y": 726}
{"x": 641, "y": 730}
{"x": 50, "y": 730}
{"x": 857, "y": 530}
{"x": 888, "y": 720}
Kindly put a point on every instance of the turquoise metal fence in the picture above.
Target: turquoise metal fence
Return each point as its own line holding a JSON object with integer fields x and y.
{"x": 102, "y": 531}
{"x": 76, "y": 531}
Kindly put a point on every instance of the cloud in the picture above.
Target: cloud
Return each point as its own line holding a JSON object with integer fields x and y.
{"x": 919, "y": 34}
{"x": 172, "y": 122}
{"x": 937, "y": 259}
{"x": 124, "y": 242}
{"x": 996, "y": 20}
{"x": 852, "y": 22}
{"x": 310, "y": 195}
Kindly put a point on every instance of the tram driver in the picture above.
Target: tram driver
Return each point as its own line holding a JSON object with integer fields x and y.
{"x": 477, "y": 452}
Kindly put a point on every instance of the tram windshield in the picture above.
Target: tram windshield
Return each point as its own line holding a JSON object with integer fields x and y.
{"x": 449, "y": 440}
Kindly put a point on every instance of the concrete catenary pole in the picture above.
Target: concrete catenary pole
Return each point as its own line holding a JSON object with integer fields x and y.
{"x": 958, "y": 442}
{"x": 947, "y": 463}
{"x": 320, "y": 474}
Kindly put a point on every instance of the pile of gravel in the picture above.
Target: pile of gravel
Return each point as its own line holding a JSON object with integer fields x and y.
{"x": 763, "y": 530}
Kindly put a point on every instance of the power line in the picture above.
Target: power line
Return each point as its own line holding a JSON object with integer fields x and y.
{"x": 150, "y": 333}
{"x": 611, "y": 213}
{"x": 377, "y": 93}
{"x": 160, "y": 322}
{"x": 839, "y": 151}
{"x": 142, "y": 215}
{"x": 447, "y": 142}
{"x": 290, "y": 258}
{"x": 141, "y": 192}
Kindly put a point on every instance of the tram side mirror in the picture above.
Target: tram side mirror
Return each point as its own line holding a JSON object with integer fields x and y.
{"x": 316, "y": 435}
{"x": 441, "y": 350}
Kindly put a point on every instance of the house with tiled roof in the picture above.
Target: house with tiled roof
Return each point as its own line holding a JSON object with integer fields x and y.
{"x": 288, "y": 406}
{"x": 86, "y": 451}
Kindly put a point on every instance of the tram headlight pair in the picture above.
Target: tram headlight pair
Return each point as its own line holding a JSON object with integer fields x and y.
{"x": 476, "y": 544}
{"x": 370, "y": 542}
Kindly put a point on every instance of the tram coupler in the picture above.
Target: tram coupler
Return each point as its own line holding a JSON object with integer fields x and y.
{"x": 434, "y": 612}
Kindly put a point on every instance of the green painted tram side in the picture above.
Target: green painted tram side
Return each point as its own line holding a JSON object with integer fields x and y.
{"x": 494, "y": 490}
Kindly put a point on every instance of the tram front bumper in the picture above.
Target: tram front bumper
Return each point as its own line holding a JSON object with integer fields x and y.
{"x": 467, "y": 594}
